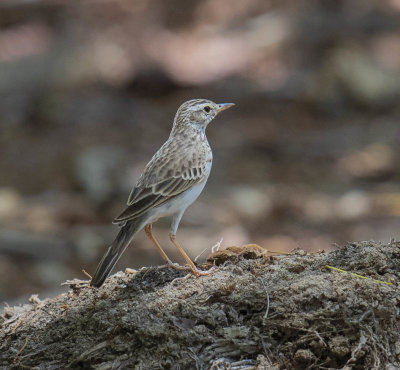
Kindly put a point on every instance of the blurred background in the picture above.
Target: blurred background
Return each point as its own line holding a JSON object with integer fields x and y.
{"x": 309, "y": 157}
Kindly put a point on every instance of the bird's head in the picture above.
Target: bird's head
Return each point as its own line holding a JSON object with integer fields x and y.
{"x": 197, "y": 113}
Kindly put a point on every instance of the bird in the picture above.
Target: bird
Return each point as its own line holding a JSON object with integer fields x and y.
{"x": 170, "y": 182}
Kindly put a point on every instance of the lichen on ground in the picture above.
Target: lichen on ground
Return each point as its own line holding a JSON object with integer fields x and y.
{"x": 254, "y": 312}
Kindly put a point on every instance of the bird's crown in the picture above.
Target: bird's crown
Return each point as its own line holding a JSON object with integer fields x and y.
{"x": 196, "y": 114}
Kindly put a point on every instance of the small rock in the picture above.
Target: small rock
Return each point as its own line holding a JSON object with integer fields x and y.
{"x": 8, "y": 312}
{"x": 340, "y": 346}
{"x": 34, "y": 299}
{"x": 304, "y": 356}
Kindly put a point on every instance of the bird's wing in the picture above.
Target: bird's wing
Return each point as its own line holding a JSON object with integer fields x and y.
{"x": 164, "y": 177}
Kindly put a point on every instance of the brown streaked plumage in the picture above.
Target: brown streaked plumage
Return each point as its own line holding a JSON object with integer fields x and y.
{"x": 170, "y": 182}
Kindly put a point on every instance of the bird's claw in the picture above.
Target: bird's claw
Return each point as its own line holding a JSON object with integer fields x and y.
{"x": 175, "y": 266}
{"x": 196, "y": 272}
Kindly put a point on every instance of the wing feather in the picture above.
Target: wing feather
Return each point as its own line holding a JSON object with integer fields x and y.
{"x": 138, "y": 208}
{"x": 165, "y": 178}
{"x": 141, "y": 200}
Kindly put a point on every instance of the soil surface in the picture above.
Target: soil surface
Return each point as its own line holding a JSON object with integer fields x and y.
{"x": 254, "y": 311}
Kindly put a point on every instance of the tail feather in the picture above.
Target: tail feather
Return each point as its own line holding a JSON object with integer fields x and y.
{"x": 113, "y": 254}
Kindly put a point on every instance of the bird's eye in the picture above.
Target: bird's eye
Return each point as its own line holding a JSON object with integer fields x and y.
{"x": 207, "y": 109}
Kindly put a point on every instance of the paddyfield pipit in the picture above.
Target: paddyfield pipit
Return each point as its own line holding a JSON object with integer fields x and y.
{"x": 171, "y": 181}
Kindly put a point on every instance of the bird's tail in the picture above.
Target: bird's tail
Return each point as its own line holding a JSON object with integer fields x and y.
{"x": 113, "y": 253}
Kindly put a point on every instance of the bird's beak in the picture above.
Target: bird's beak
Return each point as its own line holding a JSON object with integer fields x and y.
{"x": 224, "y": 106}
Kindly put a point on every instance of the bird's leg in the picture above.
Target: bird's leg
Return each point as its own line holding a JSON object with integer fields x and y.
{"x": 150, "y": 235}
{"x": 172, "y": 235}
{"x": 164, "y": 256}
{"x": 196, "y": 272}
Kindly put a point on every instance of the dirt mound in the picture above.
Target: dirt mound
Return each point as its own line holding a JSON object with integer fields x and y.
{"x": 253, "y": 312}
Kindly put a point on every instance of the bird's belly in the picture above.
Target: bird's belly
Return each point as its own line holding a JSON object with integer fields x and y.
{"x": 180, "y": 202}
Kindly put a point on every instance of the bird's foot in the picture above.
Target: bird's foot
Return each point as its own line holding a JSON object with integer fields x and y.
{"x": 196, "y": 272}
{"x": 175, "y": 266}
